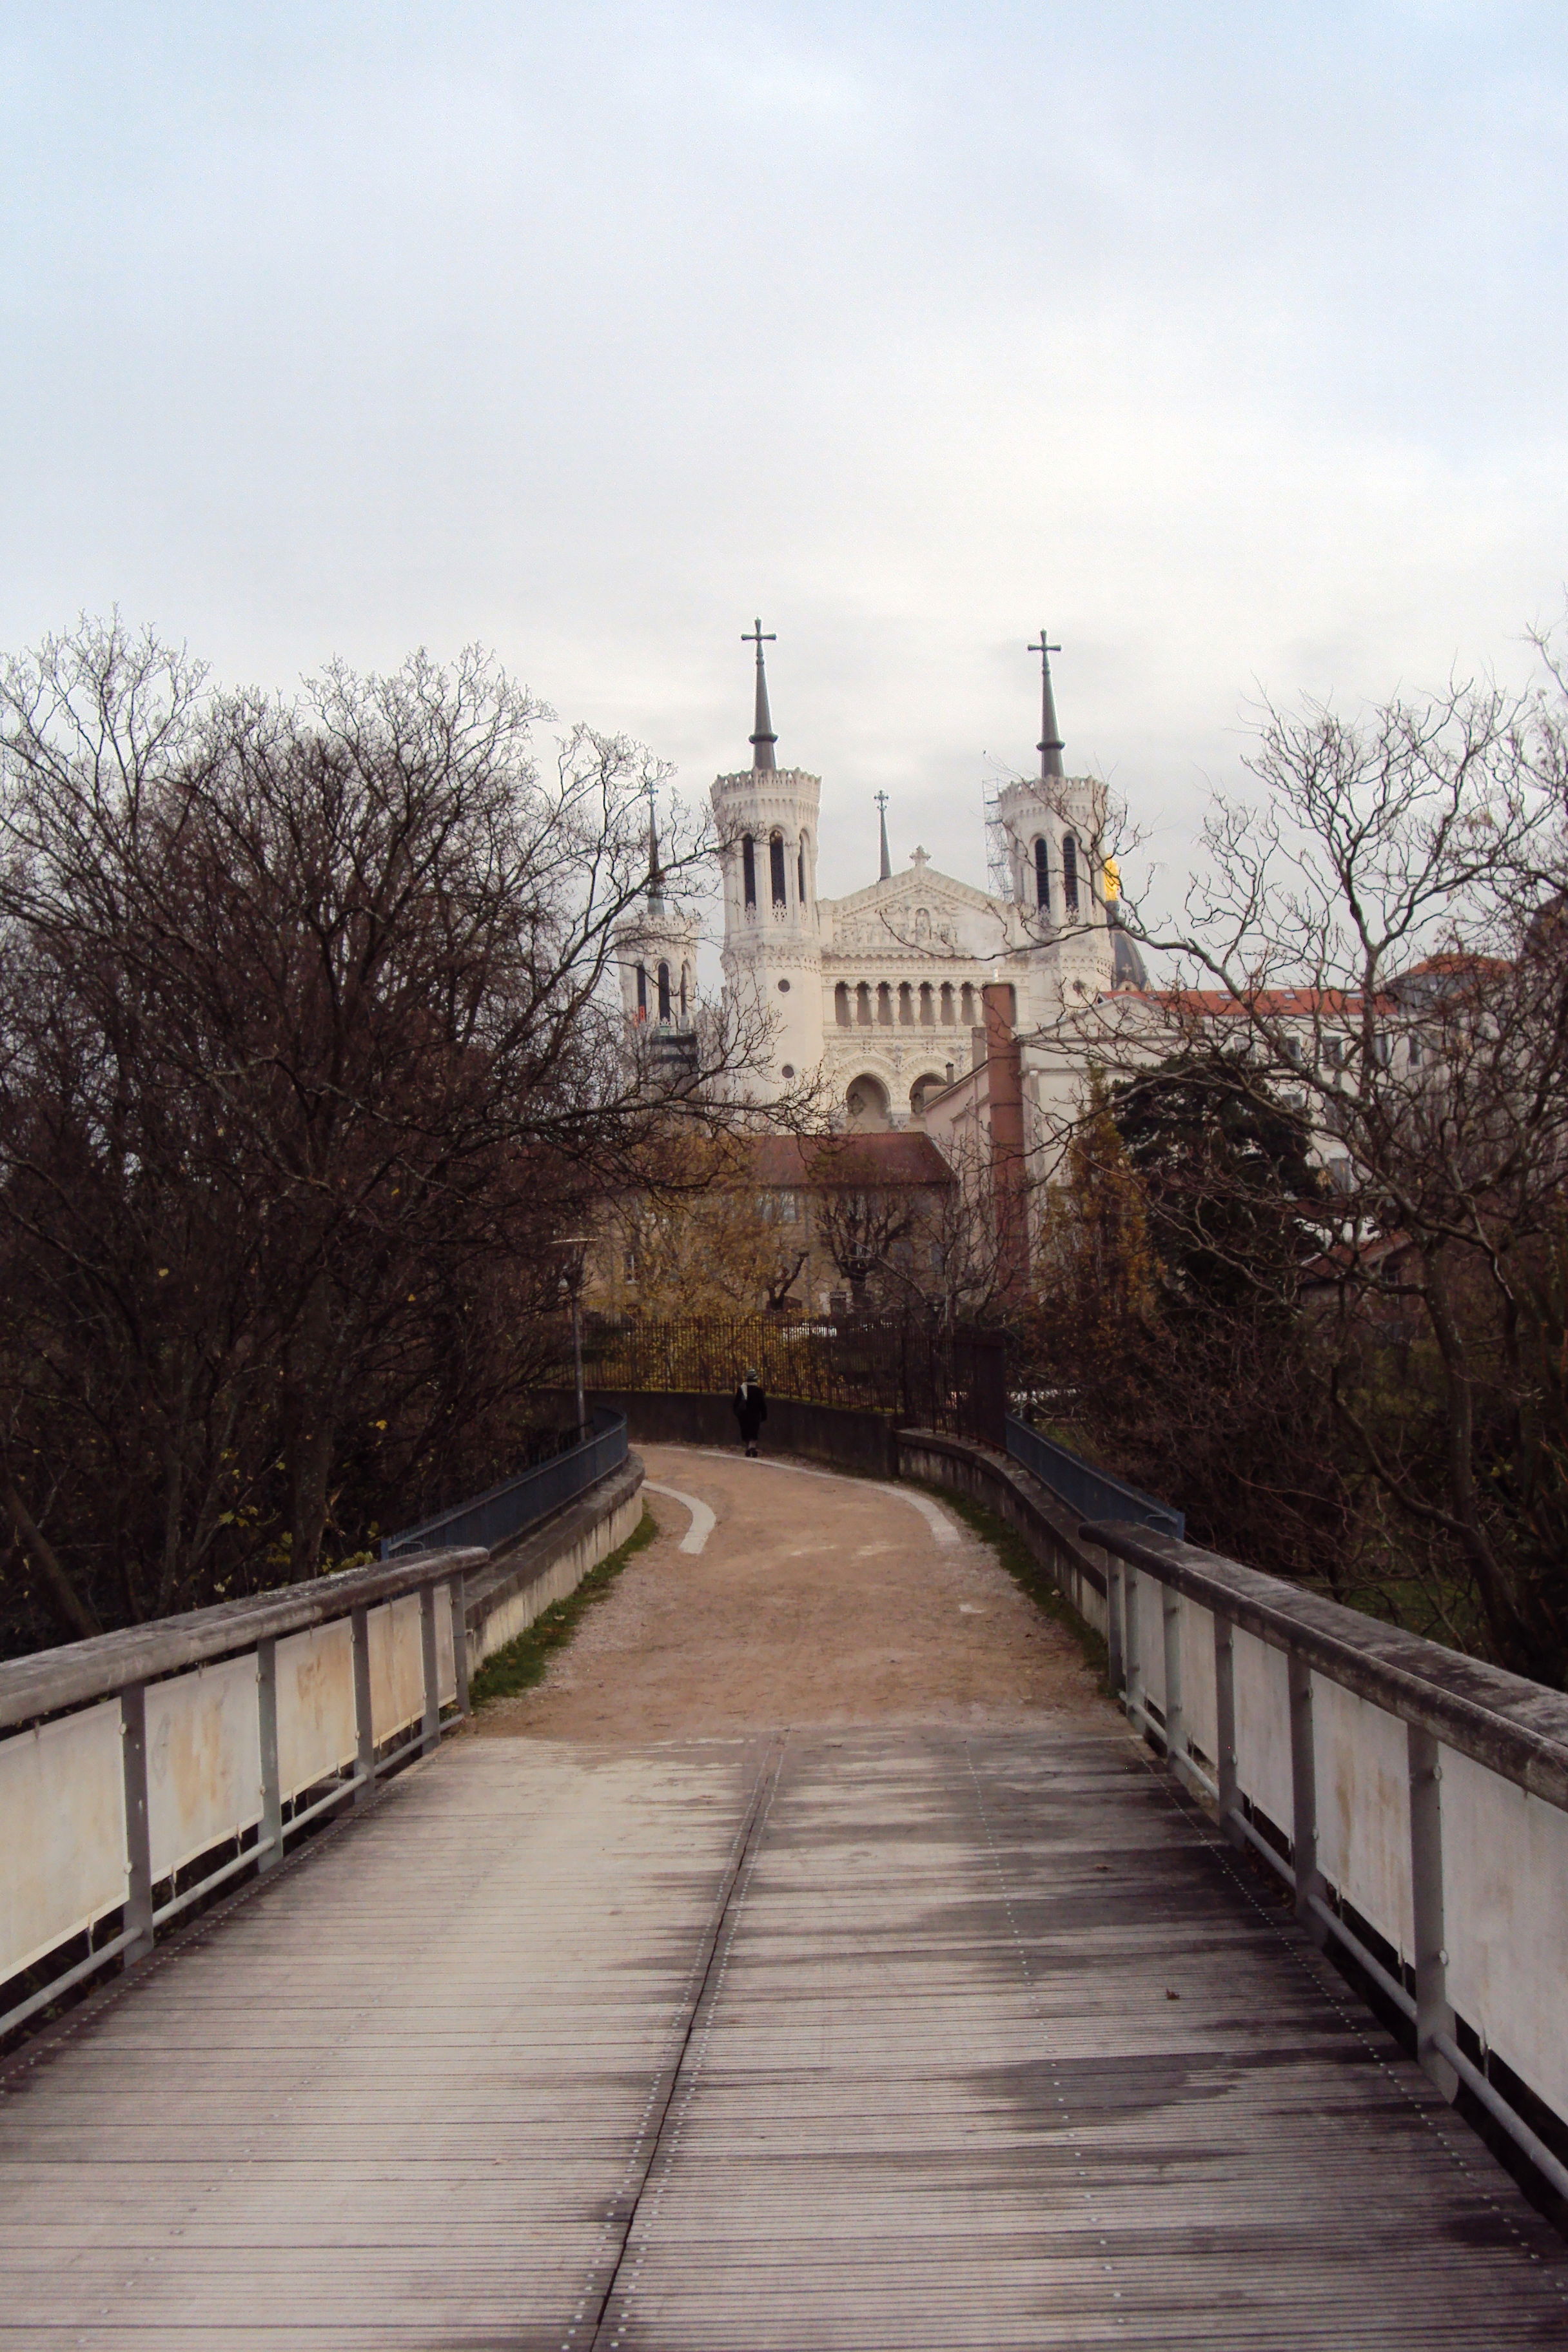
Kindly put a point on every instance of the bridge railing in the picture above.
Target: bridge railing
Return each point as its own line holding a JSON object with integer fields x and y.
{"x": 1083, "y": 1488}
{"x": 141, "y": 1770}
{"x": 503, "y": 1511}
{"x": 1415, "y": 1800}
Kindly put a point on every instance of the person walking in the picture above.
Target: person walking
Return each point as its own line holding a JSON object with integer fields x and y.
{"x": 749, "y": 1406}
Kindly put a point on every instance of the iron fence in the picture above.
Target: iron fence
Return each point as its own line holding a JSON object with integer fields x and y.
{"x": 924, "y": 1375}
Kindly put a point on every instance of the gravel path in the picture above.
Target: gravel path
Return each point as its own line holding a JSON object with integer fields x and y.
{"x": 815, "y": 1600}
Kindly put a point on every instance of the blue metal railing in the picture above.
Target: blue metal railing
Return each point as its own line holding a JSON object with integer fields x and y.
{"x": 1089, "y": 1491}
{"x": 516, "y": 1503}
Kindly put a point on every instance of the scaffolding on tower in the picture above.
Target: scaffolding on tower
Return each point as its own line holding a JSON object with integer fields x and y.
{"x": 999, "y": 875}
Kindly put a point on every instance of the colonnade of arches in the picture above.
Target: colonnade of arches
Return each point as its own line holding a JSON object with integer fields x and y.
{"x": 884, "y": 1005}
{"x": 782, "y": 870}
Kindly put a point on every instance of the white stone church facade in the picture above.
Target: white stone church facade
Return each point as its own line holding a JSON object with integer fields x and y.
{"x": 878, "y": 994}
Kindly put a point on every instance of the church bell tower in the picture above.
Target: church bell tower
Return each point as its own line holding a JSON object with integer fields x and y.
{"x": 767, "y": 823}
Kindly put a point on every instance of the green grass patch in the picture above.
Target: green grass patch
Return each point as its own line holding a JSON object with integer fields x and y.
{"x": 521, "y": 1662}
{"x": 1026, "y": 1573}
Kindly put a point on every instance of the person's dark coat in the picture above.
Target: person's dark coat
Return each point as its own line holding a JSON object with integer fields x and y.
{"x": 749, "y": 1406}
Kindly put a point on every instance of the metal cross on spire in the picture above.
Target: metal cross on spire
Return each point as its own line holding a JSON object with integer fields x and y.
{"x": 1050, "y": 743}
{"x": 764, "y": 739}
{"x": 881, "y": 800}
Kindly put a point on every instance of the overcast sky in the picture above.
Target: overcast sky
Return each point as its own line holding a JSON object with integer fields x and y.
{"x": 1226, "y": 340}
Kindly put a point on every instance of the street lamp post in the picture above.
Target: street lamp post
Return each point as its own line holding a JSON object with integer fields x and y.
{"x": 571, "y": 1283}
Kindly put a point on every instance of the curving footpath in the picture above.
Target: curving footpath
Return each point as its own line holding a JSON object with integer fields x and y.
{"x": 811, "y": 1961}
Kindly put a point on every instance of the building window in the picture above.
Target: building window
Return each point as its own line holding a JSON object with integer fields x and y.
{"x": 1069, "y": 872}
{"x": 642, "y": 991}
{"x": 906, "y": 1004}
{"x": 1043, "y": 876}
{"x": 800, "y": 869}
{"x": 966, "y": 1006}
{"x": 841, "y": 1004}
{"x": 749, "y": 868}
{"x": 947, "y": 1004}
{"x": 863, "y": 1002}
{"x": 884, "y": 1005}
{"x": 664, "y": 991}
{"x": 928, "y": 1006}
{"x": 776, "y": 870}
{"x": 684, "y": 970}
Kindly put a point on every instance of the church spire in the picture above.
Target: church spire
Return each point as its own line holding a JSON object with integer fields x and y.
{"x": 1050, "y": 743}
{"x": 655, "y": 872}
{"x": 764, "y": 739}
{"x": 881, "y": 800}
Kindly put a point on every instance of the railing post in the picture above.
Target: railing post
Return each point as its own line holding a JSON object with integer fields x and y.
{"x": 1304, "y": 1799}
{"x": 430, "y": 1729}
{"x": 1433, "y": 2013}
{"x": 457, "y": 1593}
{"x": 138, "y": 1828}
{"x": 1114, "y": 1642}
{"x": 364, "y": 1722}
{"x": 269, "y": 1835}
{"x": 1134, "y": 1650}
{"x": 1175, "y": 1721}
{"x": 1225, "y": 1728}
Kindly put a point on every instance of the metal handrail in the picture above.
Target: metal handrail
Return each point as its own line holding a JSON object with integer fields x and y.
{"x": 1083, "y": 1487}
{"x": 48, "y": 1681}
{"x": 503, "y": 1511}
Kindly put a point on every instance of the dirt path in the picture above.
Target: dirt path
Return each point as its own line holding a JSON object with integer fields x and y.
{"x": 815, "y": 1600}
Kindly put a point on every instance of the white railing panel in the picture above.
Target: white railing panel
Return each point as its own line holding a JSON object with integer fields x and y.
{"x": 1263, "y": 1728}
{"x": 1363, "y": 1760}
{"x": 1505, "y": 1907}
{"x": 1197, "y": 1678}
{"x": 396, "y": 1666}
{"x": 62, "y": 1800}
{"x": 203, "y": 1760}
{"x": 316, "y": 1732}
{"x": 447, "y": 1667}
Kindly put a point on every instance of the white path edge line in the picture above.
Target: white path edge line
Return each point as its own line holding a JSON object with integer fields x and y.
{"x": 936, "y": 1518}
{"x": 702, "y": 1519}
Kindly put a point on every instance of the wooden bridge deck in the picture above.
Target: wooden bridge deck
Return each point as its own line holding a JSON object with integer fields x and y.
{"x": 889, "y": 2038}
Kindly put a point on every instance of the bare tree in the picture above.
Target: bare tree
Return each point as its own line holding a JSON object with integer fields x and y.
{"x": 1377, "y": 943}
{"x": 309, "y": 1040}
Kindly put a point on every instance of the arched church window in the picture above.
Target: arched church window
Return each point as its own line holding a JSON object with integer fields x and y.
{"x": 749, "y": 868}
{"x": 642, "y": 991}
{"x": 800, "y": 871}
{"x": 664, "y": 991}
{"x": 884, "y": 1005}
{"x": 684, "y": 977}
{"x": 863, "y": 1003}
{"x": 966, "y": 1006}
{"x": 841, "y": 1004}
{"x": 776, "y": 870}
{"x": 1043, "y": 876}
{"x": 906, "y": 1004}
{"x": 928, "y": 1005}
{"x": 1069, "y": 872}
{"x": 947, "y": 1004}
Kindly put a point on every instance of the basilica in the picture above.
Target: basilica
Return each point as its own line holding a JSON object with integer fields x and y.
{"x": 893, "y": 999}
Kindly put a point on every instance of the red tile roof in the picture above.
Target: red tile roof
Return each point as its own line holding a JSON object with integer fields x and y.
{"x": 904, "y": 1155}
